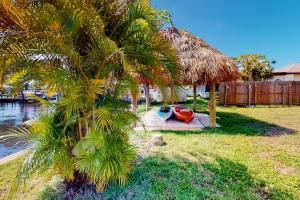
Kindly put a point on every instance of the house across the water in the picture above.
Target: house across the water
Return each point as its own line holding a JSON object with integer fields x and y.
{"x": 288, "y": 73}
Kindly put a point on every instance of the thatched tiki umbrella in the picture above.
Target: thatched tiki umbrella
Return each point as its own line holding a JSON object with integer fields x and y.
{"x": 201, "y": 64}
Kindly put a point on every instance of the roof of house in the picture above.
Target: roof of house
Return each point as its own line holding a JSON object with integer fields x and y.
{"x": 291, "y": 69}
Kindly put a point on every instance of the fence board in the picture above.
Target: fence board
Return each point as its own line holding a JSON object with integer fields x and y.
{"x": 260, "y": 93}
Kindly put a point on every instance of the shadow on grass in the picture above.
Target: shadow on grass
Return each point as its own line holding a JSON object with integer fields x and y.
{"x": 161, "y": 178}
{"x": 158, "y": 177}
{"x": 237, "y": 124}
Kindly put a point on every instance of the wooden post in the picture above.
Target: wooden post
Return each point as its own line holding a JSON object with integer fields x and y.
{"x": 255, "y": 94}
{"x": 147, "y": 95}
{"x": 235, "y": 101}
{"x": 194, "y": 97}
{"x": 282, "y": 91}
{"x": 212, "y": 107}
{"x": 268, "y": 94}
{"x": 225, "y": 98}
{"x": 275, "y": 94}
{"x": 290, "y": 94}
{"x": 249, "y": 95}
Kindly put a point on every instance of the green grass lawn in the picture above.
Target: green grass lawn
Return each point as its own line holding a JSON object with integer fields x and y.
{"x": 255, "y": 155}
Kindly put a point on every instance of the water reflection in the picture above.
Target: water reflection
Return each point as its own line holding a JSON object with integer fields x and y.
{"x": 12, "y": 115}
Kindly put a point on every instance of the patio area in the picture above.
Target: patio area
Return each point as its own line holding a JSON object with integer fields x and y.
{"x": 151, "y": 122}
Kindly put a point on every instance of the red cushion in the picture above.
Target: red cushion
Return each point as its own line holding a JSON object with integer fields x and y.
{"x": 185, "y": 110}
{"x": 186, "y": 113}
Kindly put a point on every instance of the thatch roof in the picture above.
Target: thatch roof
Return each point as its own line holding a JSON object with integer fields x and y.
{"x": 201, "y": 63}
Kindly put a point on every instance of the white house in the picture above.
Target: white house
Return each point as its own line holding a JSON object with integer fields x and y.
{"x": 288, "y": 73}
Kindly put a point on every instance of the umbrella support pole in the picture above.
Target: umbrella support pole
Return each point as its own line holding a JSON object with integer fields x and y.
{"x": 212, "y": 106}
{"x": 194, "y": 97}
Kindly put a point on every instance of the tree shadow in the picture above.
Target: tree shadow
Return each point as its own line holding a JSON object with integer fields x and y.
{"x": 233, "y": 122}
{"x": 158, "y": 177}
{"x": 162, "y": 178}
{"x": 237, "y": 124}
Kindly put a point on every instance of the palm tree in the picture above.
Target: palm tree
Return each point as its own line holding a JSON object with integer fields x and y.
{"x": 146, "y": 84}
{"x": 90, "y": 51}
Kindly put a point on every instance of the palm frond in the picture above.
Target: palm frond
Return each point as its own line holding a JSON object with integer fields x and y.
{"x": 13, "y": 16}
{"x": 20, "y": 135}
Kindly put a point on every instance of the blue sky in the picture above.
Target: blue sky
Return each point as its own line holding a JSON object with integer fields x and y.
{"x": 235, "y": 27}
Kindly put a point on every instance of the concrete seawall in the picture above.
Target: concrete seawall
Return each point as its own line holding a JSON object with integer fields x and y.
{"x": 11, "y": 157}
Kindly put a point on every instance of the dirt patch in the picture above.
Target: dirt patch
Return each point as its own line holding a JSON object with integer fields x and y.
{"x": 265, "y": 155}
{"x": 287, "y": 170}
{"x": 279, "y": 166}
{"x": 271, "y": 130}
{"x": 143, "y": 145}
{"x": 278, "y": 131}
{"x": 264, "y": 193}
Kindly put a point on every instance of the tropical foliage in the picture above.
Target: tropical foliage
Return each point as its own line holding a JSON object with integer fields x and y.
{"x": 254, "y": 67}
{"x": 90, "y": 52}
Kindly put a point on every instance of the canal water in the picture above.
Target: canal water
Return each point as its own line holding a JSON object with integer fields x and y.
{"x": 11, "y": 116}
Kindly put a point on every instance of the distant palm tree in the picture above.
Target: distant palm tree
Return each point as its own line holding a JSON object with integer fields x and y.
{"x": 90, "y": 51}
{"x": 255, "y": 67}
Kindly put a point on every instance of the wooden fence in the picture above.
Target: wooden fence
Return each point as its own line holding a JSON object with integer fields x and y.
{"x": 260, "y": 93}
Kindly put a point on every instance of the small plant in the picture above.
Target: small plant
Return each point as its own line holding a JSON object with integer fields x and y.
{"x": 165, "y": 108}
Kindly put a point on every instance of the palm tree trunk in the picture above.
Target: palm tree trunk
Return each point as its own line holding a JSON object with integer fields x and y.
{"x": 195, "y": 97}
{"x": 147, "y": 95}
{"x": 78, "y": 182}
{"x": 133, "y": 103}
{"x": 212, "y": 106}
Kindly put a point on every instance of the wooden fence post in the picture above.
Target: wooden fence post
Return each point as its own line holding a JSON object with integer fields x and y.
{"x": 249, "y": 95}
{"x": 225, "y": 99}
{"x": 255, "y": 94}
{"x": 290, "y": 94}
{"x": 275, "y": 94}
{"x": 282, "y": 95}
{"x": 266, "y": 95}
{"x": 234, "y": 93}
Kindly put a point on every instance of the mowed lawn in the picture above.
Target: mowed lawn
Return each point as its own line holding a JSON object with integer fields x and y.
{"x": 255, "y": 155}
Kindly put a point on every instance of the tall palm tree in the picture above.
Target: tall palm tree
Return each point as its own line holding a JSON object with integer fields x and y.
{"x": 146, "y": 84}
{"x": 90, "y": 51}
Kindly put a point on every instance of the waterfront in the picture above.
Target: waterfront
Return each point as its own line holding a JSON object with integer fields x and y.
{"x": 12, "y": 115}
